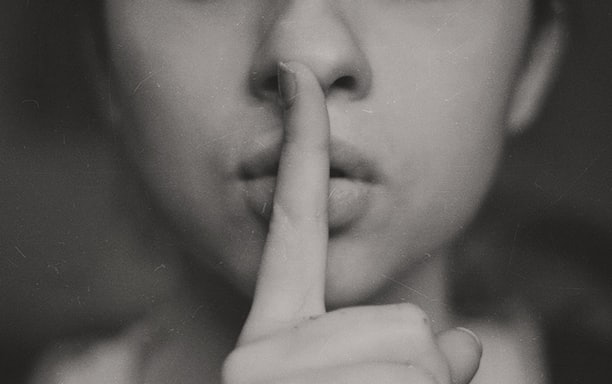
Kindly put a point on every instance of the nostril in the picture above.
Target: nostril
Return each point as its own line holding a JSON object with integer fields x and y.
{"x": 348, "y": 83}
{"x": 270, "y": 85}
{"x": 266, "y": 88}
{"x": 264, "y": 85}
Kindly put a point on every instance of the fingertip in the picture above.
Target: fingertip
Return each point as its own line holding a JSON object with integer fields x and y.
{"x": 304, "y": 76}
{"x": 463, "y": 350}
{"x": 306, "y": 119}
{"x": 287, "y": 84}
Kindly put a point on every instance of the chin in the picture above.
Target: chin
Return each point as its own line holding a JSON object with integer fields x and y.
{"x": 339, "y": 294}
{"x": 355, "y": 286}
{"x": 355, "y": 277}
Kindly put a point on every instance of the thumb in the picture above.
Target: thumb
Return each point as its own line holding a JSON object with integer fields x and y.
{"x": 463, "y": 350}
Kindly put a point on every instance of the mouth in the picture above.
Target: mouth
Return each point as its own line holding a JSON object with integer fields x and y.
{"x": 345, "y": 161}
{"x": 353, "y": 177}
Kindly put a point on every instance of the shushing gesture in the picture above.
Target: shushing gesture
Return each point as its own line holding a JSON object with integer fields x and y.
{"x": 289, "y": 338}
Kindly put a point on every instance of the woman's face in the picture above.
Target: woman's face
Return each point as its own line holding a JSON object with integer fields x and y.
{"x": 417, "y": 94}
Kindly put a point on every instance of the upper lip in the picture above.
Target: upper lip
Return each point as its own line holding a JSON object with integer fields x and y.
{"x": 345, "y": 160}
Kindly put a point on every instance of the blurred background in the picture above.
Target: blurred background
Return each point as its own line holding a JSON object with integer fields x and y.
{"x": 79, "y": 250}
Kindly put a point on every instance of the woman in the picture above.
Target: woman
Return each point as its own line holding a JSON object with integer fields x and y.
{"x": 319, "y": 155}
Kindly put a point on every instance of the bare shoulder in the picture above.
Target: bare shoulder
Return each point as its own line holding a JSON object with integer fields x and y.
{"x": 113, "y": 360}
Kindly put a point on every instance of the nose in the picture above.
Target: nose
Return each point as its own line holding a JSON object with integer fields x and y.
{"x": 316, "y": 34}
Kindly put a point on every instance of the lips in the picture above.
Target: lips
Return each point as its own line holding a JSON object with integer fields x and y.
{"x": 353, "y": 176}
{"x": 345, "y": 162}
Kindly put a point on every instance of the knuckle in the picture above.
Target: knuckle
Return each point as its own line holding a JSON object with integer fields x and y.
{"x": 414, "y": 316}
{"x": 285, "y": 214}
{"x": 295, "y": 143}
{"x": 293, "y": 216}
{"x": 282, "y": 214}
{"x": 414, "y": 326}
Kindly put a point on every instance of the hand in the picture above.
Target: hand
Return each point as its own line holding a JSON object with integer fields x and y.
{"x": 288, "y": 336}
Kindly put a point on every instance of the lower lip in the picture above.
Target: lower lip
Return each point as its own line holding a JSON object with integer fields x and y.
{"x": 348, "y": 200}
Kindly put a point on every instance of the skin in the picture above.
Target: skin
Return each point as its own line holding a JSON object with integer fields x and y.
{"x": 433, "y": 79}
{"x": 388, "y": 344}
{"x": 421, "y": 89}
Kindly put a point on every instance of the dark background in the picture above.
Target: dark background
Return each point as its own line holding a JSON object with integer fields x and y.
{"x": 78, "y": 250}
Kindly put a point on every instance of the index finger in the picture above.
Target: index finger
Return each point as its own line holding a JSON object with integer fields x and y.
{"x": 291, "y": 280}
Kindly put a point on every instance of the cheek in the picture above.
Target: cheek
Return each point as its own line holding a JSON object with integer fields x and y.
{"x": 455, "y": 148}
{"x": 176, "y": 96}
{"x": 185, "y": 123}
{"x": 445, "y": 155}
{"x": 442, "y": 101}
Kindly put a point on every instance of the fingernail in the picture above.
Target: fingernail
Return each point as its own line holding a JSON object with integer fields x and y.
{"x": 471, "y": 333}
{"x": 287, "y": 85}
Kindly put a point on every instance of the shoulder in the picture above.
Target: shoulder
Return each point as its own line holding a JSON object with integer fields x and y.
{"x": 174, "y": 343}
{"x": 115, "y": 360}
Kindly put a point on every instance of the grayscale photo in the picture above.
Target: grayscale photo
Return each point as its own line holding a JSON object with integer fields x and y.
{"x": 305, "y": 191}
